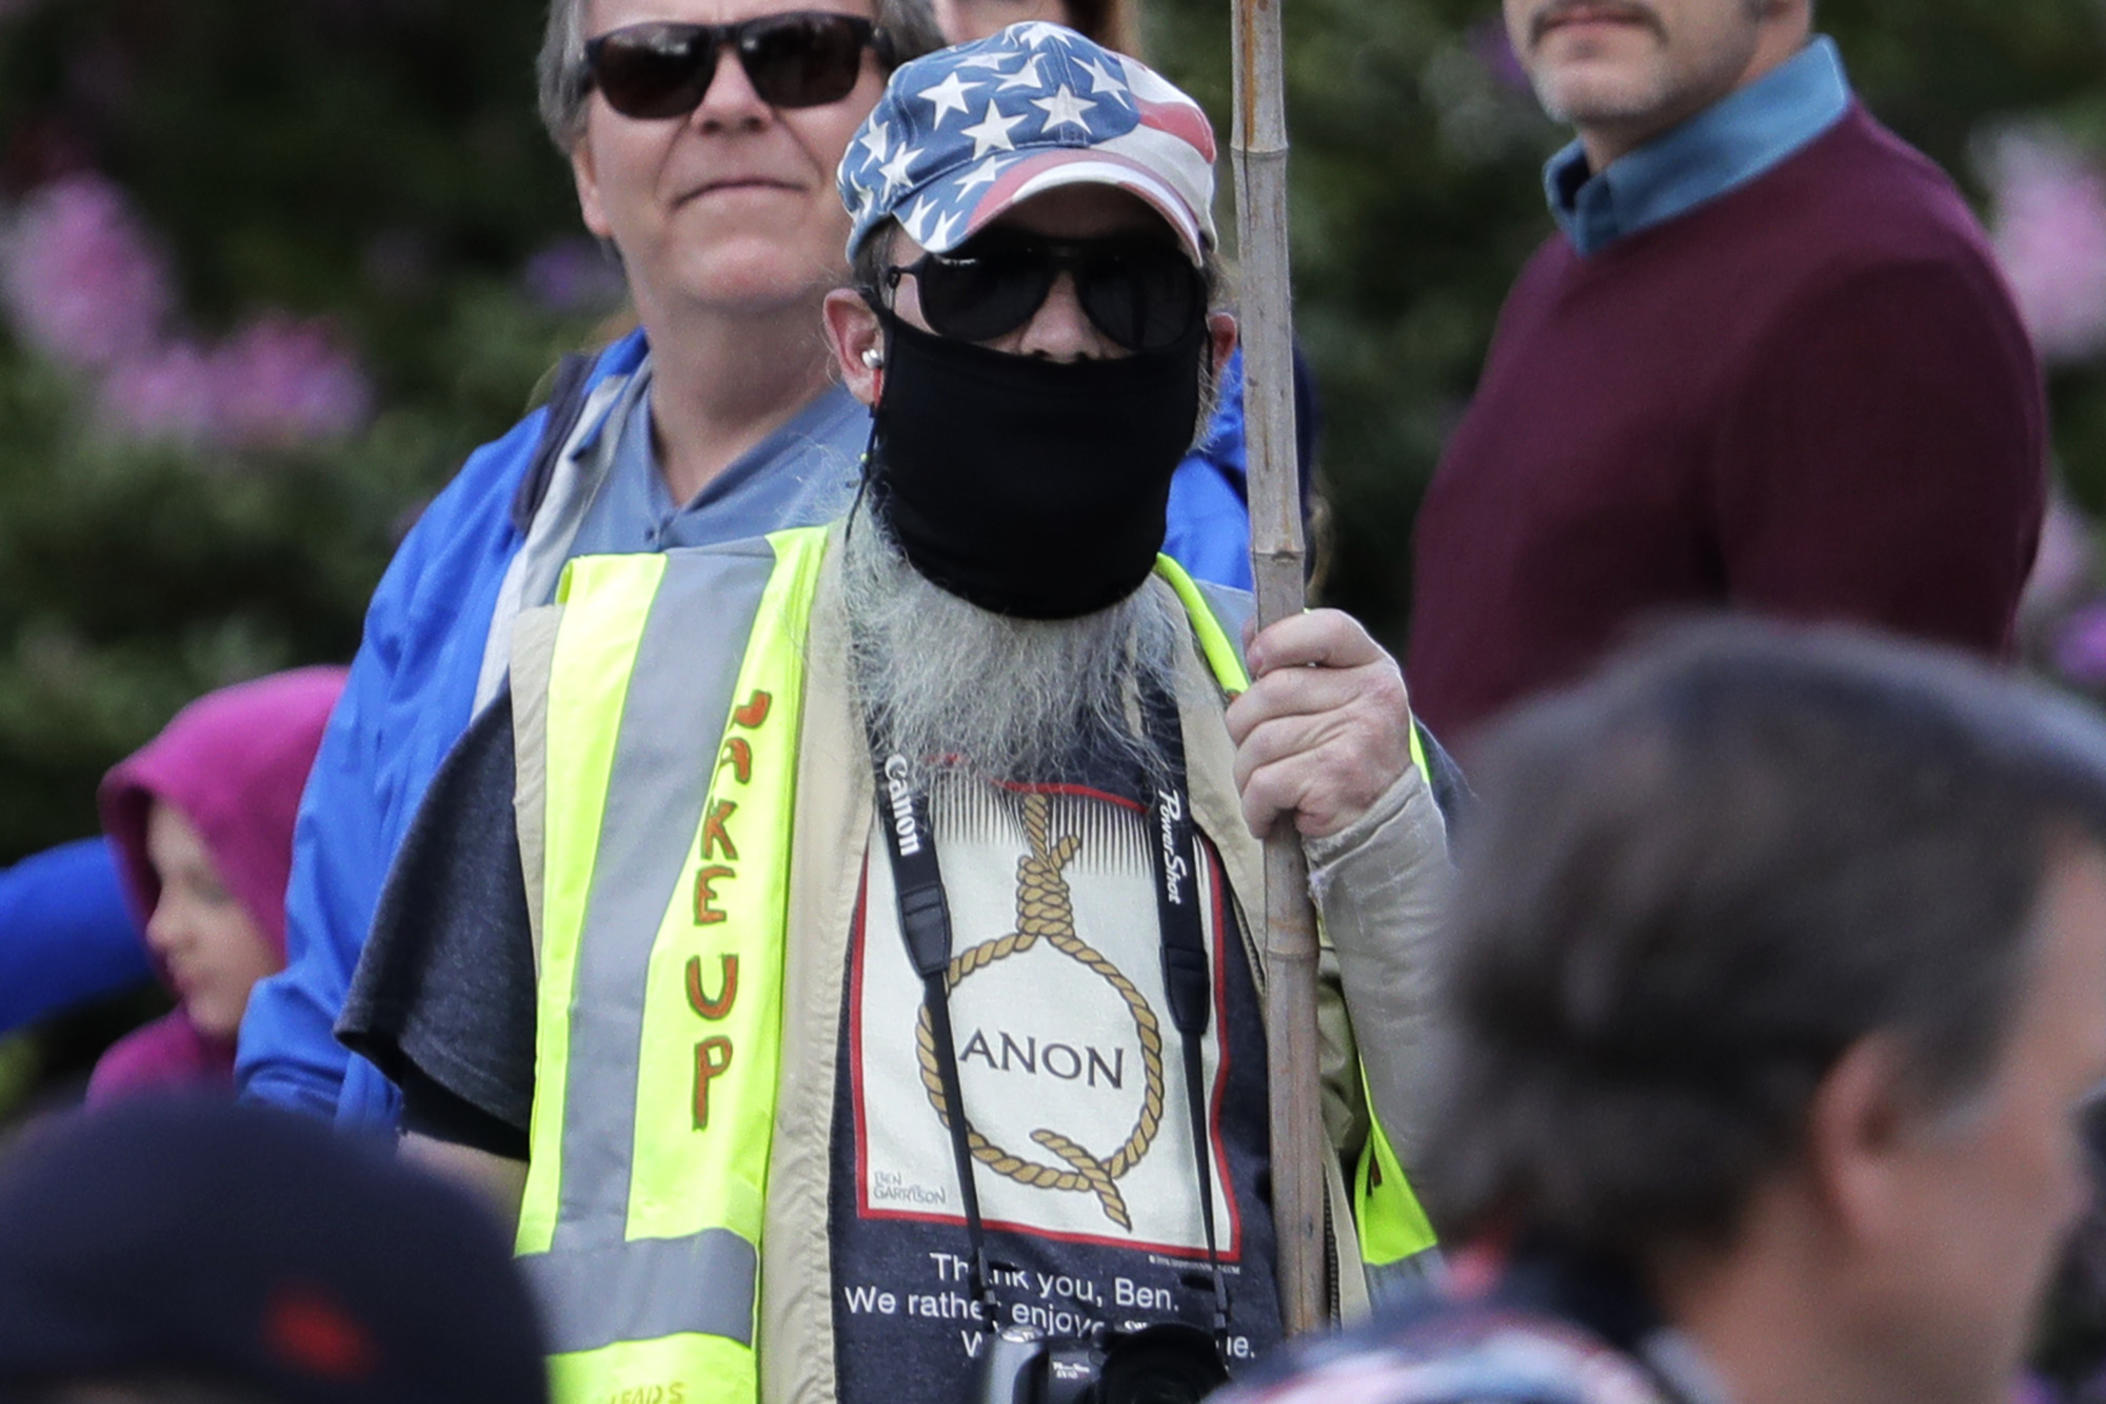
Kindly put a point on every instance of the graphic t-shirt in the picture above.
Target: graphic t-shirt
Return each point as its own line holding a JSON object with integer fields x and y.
{"x": 1072, "y": 1074}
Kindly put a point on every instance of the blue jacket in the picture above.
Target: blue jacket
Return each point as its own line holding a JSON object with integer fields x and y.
{"x": 412, "y": 690}
{"x": 65, "y": 934}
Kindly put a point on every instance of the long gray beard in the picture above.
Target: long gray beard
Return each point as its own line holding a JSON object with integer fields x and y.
{"x": 952, "y": 687}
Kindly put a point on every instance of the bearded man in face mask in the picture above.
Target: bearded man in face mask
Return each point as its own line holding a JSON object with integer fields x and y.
{"x": 777, "y": 855}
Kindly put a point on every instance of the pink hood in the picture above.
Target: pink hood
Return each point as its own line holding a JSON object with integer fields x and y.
{"x": 234, "y": 762}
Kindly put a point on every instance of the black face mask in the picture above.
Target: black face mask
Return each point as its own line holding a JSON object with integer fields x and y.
{"x": 1032, "y": 488}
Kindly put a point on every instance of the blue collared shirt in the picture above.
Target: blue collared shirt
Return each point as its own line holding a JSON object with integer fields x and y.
{"x": 1725, "y": 146}
{"x": 803, "y": 474}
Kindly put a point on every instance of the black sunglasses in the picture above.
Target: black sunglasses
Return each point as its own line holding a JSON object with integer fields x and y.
{"x": 1142, "y": 293}
{"x": 803, "y": 58}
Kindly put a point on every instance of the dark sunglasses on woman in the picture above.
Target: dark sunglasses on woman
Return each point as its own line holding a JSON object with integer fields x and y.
{"x": 1142, "y": 293}
{"x": 801, "y": 58}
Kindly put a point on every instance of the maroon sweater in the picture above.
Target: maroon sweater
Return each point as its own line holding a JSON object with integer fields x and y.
{"x": 1810, "y": 397}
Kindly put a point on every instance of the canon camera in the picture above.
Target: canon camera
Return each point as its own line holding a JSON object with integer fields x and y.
{"x": 1166, "y": 1363}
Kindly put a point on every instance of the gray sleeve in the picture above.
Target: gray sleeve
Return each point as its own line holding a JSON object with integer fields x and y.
{"x": 446, "y": 984}
{"x": 1382, "y": 886}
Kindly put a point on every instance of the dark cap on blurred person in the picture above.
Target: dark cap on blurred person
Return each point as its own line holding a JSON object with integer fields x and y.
{"x": 182, "y": 1248}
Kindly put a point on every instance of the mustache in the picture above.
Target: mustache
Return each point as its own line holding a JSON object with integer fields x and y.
{"x": 1562, "y": 11}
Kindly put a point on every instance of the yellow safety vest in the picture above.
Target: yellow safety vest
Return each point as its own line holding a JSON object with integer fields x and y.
{"x": 658, "y": 1027}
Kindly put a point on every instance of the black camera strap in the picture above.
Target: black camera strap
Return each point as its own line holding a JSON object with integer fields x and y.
{"x": 925, "y": 927}
{"x": 1187, "y": 979}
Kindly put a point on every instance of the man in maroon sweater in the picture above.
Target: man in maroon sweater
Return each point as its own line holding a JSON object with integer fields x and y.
{"x": 1766, "y": 363}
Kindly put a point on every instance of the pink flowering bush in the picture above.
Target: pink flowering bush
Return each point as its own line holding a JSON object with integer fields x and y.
{"x": 166, "y": 393}
{"x": 2050, "y": 235}
{"x": 281, "y": 381}
{"x": 82, "y": 282}
{"x": 262, "y": 286}
{"x": 86, "y": 286}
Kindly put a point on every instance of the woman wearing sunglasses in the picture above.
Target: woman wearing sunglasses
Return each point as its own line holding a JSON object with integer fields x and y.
{"x": 703, "y": 137}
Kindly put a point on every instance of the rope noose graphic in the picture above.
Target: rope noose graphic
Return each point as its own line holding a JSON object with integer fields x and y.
{"x": 1045, "y": 910}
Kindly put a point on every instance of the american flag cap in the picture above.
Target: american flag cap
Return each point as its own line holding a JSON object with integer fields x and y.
{"x": 965, "y": 133}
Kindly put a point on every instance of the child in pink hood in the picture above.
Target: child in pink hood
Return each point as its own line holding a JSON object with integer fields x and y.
{"x": 201, "y": 821}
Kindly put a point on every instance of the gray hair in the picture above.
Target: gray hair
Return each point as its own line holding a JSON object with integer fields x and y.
{"x": 1010, "y": 699}
{"x": 909, "y": 27}
{"x": 1699, "y": 879}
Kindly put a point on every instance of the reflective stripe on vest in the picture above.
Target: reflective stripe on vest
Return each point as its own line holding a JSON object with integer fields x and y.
{"x": 660, "y": 982}
{"x": 1391, "y": 1224}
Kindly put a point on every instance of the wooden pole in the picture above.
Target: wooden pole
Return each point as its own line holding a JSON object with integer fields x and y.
{"x": 1259, "y": 152}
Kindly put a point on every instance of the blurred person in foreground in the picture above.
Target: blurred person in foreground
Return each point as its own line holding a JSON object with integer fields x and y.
{"x": 193, "y": 1251}
{"x": 836, "y": 948}
{"x": 1766, "y": 363}
{"x": 1770, "y": 1010}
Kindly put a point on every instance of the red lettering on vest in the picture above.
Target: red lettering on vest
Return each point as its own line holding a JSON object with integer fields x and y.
{"x": 754, "y": 713}
{"x": 738, "y": 753}
{"x": 707, "y": 913}
{"x": 727, "y": 995}
{"x": 712, "y": 1058}
{"x": 714, "y": 836}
